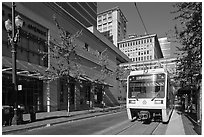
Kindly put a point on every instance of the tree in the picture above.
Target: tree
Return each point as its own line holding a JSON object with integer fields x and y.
{"x": 62, "y": 53}
{"x": 189, "y": 35}
{"x": 104, "y": 71}
{"x": 121, "y": 76}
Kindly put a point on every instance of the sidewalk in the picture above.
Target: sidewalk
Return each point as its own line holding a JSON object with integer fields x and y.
{"x": 56, "y": 117}
{"x": 175, "y": 125}
{"x": 182, "y": 123}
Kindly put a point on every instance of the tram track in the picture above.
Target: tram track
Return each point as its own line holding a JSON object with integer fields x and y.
{"x": 139, "y": 128}
{"x": 151, "y": 129}
{"x": 125, "y": 128}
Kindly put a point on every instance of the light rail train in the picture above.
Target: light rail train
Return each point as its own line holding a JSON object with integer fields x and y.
{"x": 149, "y": 95}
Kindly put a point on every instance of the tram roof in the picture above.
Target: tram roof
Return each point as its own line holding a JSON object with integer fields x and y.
{"x": 148, "y": 71}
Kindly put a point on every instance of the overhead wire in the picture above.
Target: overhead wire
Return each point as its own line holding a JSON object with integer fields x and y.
{"x": 141, "y": 18}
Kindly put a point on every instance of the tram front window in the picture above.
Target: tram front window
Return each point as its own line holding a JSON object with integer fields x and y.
{"x": 147, "y": 86}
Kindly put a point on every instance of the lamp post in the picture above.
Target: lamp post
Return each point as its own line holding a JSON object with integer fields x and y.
{"x": 13, "y": 27}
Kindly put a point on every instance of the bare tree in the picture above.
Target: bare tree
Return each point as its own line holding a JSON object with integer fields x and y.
{"x": 104, "y": 72}
{"x": 62, "y": 55}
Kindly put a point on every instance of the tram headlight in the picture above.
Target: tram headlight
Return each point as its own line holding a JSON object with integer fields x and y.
{"x": 132, "y": 101}
{"x": 158, "y": 101}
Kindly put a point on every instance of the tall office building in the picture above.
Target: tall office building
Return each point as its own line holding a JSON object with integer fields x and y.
{"x": 84, "y": 12}
{"x": 165, "y": 47}
{"x": 141, "y": 48}
{"x": 114, "y": 21}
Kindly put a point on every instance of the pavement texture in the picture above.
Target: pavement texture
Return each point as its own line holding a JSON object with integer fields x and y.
{"x": 57, "y": 117}
{"x": 180, "y": 123}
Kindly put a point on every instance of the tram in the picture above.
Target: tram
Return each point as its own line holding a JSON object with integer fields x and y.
{"x": 149, "y": 95}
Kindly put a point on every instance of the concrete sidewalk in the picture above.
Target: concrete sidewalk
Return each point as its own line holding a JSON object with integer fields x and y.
{"x": 57, "y": 117}
{"x": 181, "y": 124}
{"x": 175, "y": 125}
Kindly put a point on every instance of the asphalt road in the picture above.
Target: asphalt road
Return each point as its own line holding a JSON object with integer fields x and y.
{"x": 111, "y": 124}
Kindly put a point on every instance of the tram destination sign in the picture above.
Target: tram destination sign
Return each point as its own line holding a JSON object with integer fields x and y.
{"x": 151, "y": 77}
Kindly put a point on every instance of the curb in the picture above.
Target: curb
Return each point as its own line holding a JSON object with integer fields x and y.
{"x": 191, "y": 119}
{"x": 86, "y": 115}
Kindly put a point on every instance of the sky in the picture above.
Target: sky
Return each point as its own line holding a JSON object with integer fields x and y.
{"x": 156, "y": 16}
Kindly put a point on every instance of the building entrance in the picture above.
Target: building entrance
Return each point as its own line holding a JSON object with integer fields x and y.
{"x": 31, "y": 93}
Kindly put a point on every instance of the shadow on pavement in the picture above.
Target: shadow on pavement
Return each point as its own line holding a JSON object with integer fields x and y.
{"x": 43, "y": 119}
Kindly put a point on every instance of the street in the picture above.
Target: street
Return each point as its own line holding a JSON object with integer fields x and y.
{"x": 111, "y": 124}
{"x": 94, "y": 68}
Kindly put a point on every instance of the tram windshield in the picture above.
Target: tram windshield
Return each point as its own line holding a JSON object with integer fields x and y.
{"x": 147, "y": 86}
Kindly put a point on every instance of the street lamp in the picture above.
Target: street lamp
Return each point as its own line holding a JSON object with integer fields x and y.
{"x": 13, "y": 27}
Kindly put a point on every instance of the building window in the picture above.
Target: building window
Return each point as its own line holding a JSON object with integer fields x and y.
{"x": 86, "y": 47}
{"x": 99, "y": 26}
{"x": 99, "y": 21}
{"x": 110, "y": 14}
{"x": 118, "y": 23}
{"x": 121, "y": 45}
{"x": 110, "y": 23}
{"x": 111, "y": 33}
{"x": 105, "y": 28}
{"x": 110, "y": 18}
{"x": 99, "y": 17}
{"x": 110, "y": 26}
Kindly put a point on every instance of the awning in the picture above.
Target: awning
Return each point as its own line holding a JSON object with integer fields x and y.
{"x": 37, "y": 71}
{"x": 97, "y": 82}
{"x": 23, "y": 67}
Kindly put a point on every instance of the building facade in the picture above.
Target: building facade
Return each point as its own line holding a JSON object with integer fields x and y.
{"x": 36, "y": 34}
{"x": 84, "y": 12}
{"x": 141, "y": 48}
{"x": 165, "y": 47}
{"x": 114, "y": 21}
